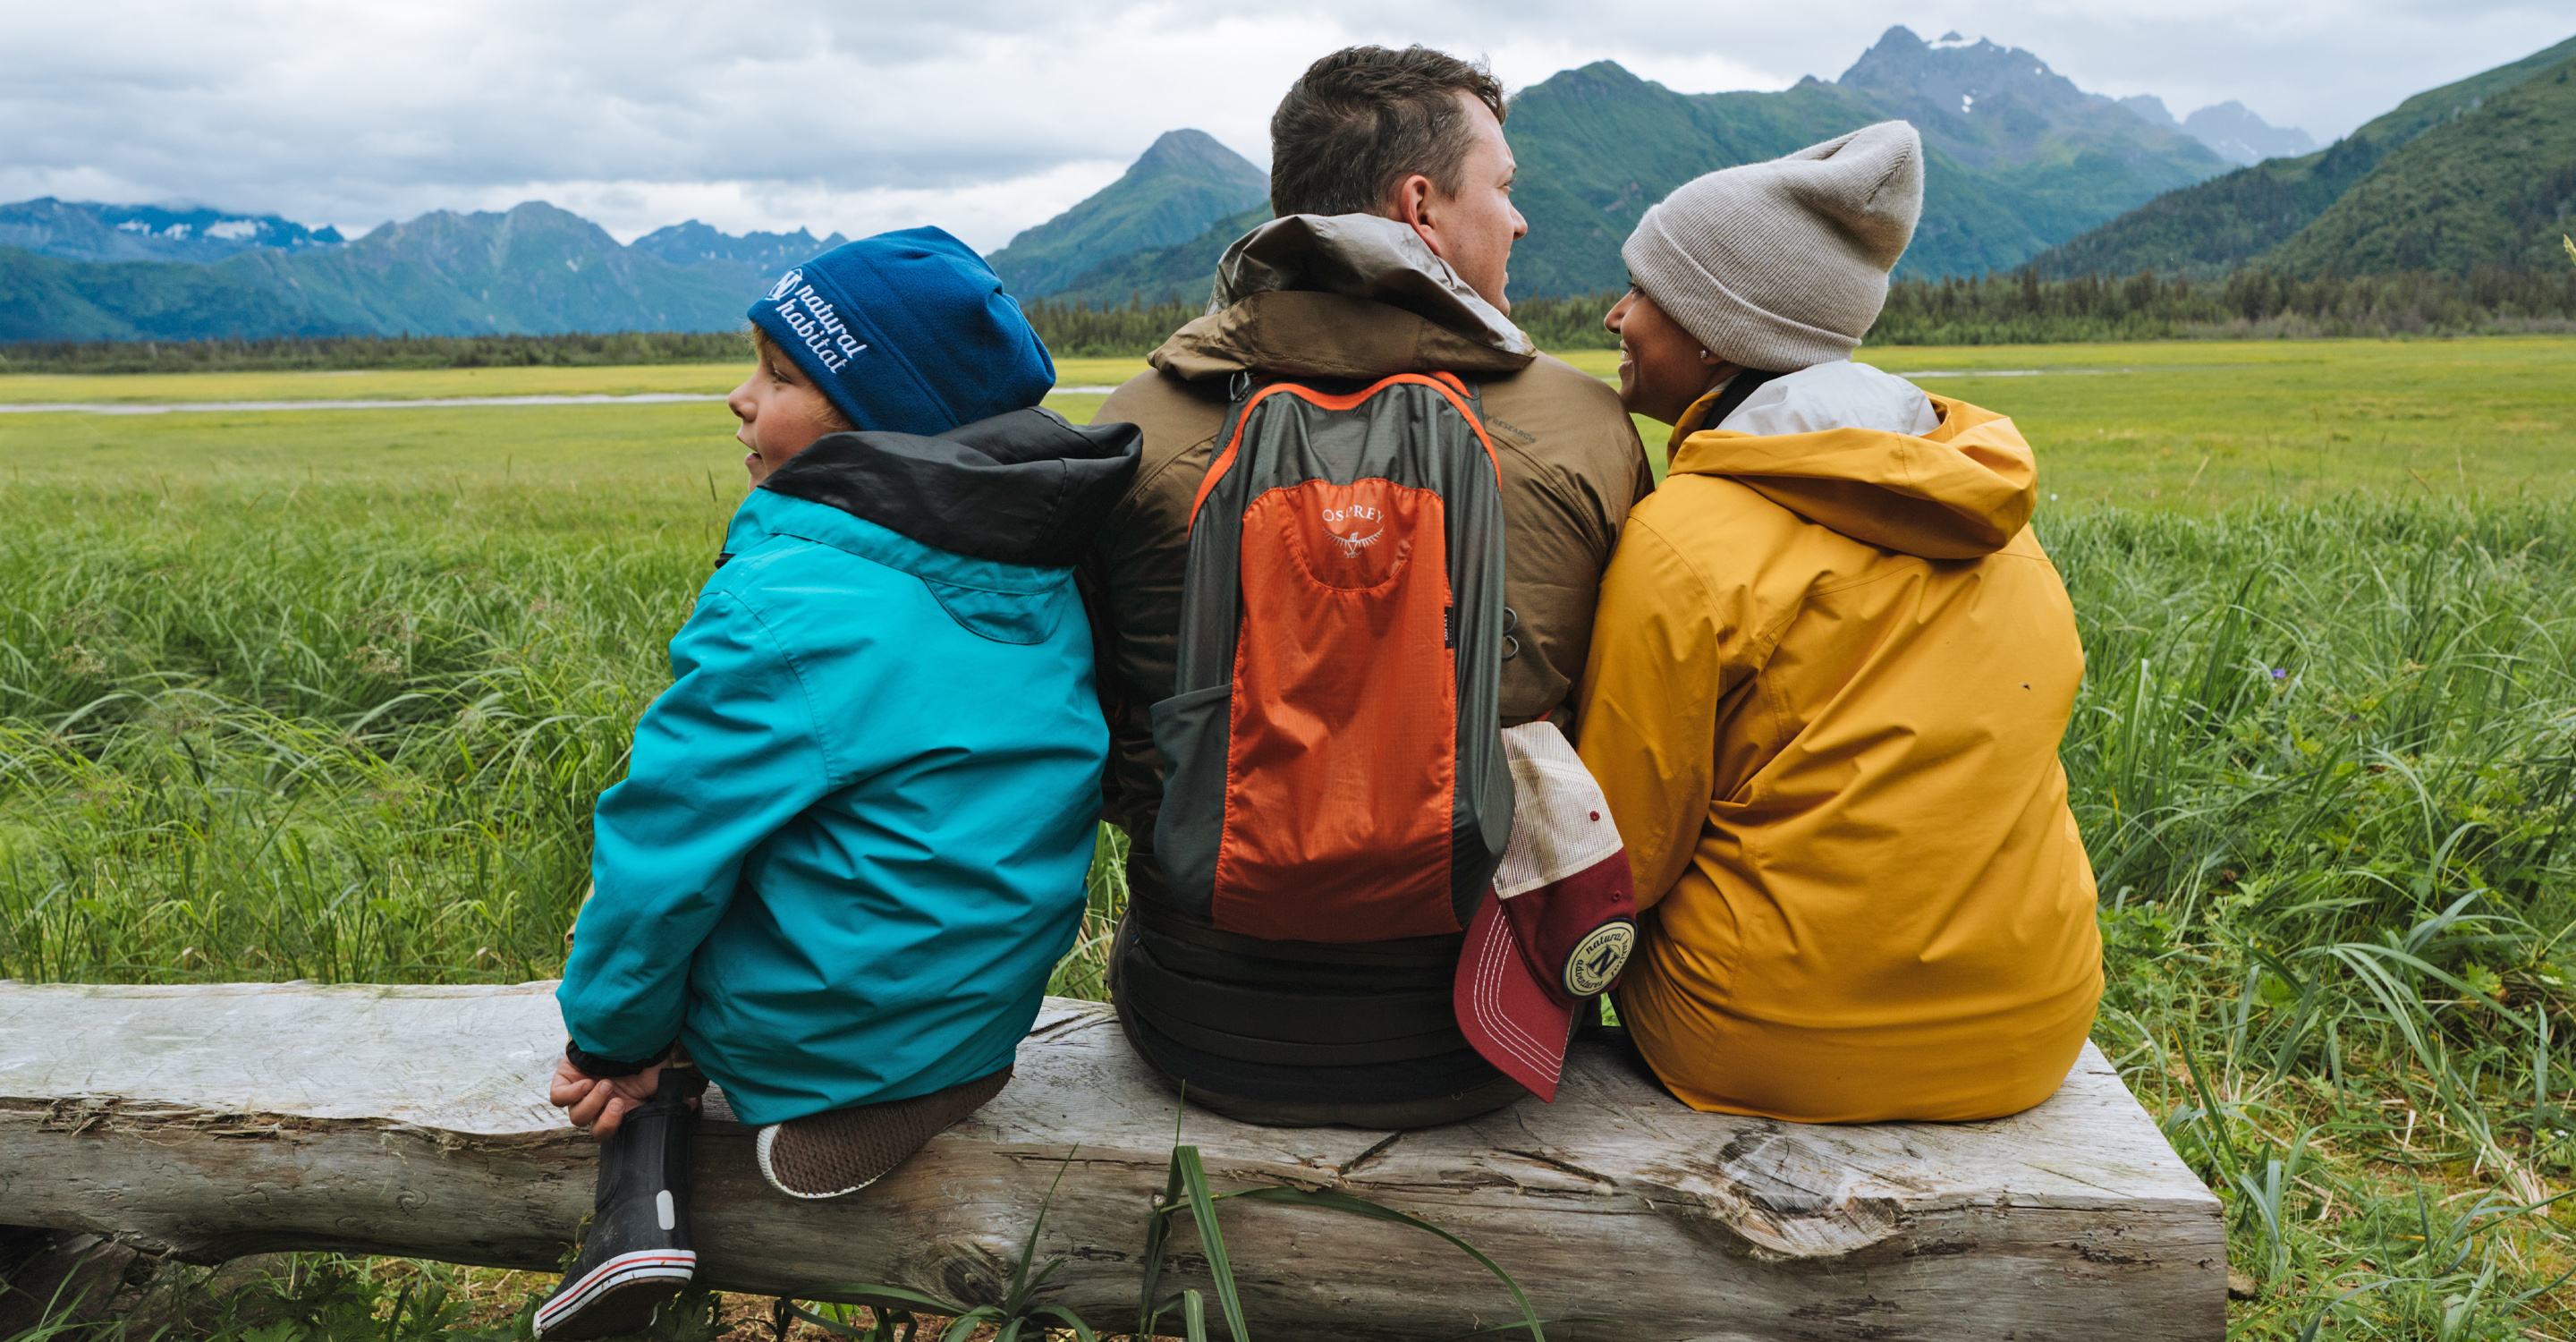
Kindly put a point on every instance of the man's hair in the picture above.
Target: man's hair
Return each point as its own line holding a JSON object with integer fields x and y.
{"x": 1365, "y": 118}
{"x": 767, "y": 351}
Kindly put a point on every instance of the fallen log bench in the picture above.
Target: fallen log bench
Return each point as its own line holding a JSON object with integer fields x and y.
{"x": 215, "y": 1121}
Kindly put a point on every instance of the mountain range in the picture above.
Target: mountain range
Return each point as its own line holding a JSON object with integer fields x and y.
{"x": 2019, "y": 159}
{"x": 746, "y": 262}
{"x": 531, "y": 268}
{"x": 2477, "y": 173}
{"x": 2024, "y": 168}
{"x": 2016, "y": 157}
{"x": 2230, "y": 129}
{"x": 83, "y": 232}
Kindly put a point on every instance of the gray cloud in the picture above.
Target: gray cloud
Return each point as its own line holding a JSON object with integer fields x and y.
{"x": 987, "y": 115}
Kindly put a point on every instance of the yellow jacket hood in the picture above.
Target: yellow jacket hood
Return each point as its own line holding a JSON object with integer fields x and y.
{"x": 1962, "y": 491}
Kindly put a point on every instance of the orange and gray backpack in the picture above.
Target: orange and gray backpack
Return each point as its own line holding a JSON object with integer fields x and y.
{"x": 1335, "y": 768}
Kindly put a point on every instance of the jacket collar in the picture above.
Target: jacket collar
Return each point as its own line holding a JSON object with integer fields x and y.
{"x": 765, "y": 514}
{"x": 1713, "y": 406}
{"x": 1343, "y": 296}
{"x": 1028, "y": 489}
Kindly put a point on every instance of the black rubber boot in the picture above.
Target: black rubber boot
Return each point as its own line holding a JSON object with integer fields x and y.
{"x": 637, "y": 1254}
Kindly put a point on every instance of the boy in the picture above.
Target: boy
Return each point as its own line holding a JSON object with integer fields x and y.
{"x": 851, "y": 843}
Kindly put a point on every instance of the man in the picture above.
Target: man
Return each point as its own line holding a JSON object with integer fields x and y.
{"x": 1393, "y": 182}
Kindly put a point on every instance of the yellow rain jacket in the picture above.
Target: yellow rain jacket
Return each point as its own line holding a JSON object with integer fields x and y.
{"x": 1824, "y": 697}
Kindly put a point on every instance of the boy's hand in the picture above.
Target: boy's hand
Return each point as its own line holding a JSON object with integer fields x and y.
{"x": 600, "y": 1103}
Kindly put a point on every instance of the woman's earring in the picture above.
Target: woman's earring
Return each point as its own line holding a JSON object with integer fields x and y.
{"x": 1703, "y": 357}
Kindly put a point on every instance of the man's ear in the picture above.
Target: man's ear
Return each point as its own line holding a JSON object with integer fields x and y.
{"x": 1410, "y": 204}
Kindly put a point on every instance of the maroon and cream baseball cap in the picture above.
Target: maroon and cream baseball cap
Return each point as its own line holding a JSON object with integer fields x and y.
{"x": 1557, "y": 929}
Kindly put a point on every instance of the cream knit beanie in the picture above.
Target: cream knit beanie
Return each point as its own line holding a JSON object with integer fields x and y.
{"x": 1783, "y": 265}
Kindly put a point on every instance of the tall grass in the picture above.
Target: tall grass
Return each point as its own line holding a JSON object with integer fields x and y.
{"x": 347, "y": 733}
{"x": 2325, "y": 761}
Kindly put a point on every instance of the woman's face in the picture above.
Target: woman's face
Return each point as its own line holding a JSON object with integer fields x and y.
{"x": 782, "y": 413}
{"x": 1662, "y": 369}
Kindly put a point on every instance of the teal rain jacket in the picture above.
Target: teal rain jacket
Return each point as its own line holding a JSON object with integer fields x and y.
{"x": 852, "y": 839}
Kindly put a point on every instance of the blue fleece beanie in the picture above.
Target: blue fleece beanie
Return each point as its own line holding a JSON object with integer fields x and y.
{"x": 907, "y": 332}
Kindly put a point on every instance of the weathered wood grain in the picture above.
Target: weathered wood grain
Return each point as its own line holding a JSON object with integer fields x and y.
{"x": 213, "y": 1121}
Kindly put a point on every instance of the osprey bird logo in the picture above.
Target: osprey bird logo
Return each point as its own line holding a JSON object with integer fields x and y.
{"x": 1350, "y": 546}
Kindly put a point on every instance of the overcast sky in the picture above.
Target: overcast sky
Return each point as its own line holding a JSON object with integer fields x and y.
{"x": 985, "y": 116}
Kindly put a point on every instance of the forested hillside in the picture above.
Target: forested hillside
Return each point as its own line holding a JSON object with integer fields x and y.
{"x": 2493, "y": 187}
{"x": 1183, "y": 272}
{"x": 49, "y": 298}
{"x": 2208, "y": 230}
{"x": 1181, "y": 185}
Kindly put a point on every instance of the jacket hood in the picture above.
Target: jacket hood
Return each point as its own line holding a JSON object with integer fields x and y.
{"x": 1029, "y": 487}
{"x": 1961, "y": 491}
{"x": 1344, "y": 296}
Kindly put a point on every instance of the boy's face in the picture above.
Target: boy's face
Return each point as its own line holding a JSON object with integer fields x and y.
{"x": 782, "y": 413}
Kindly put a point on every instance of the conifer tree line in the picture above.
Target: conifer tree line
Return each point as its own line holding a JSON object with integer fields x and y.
{"x": 302, "y": 353}
{"x": 1995, "y": 309}
{"x": 2020, "y": 308}
{"x": 2251, "y": 303}
{"x": 2023, "y": 309}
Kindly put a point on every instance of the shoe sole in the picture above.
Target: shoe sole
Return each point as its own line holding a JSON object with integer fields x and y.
{"x": 760, "y": 1152}
{"x": 618, "y": 1297}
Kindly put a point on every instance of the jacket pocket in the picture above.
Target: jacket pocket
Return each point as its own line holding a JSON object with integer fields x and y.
{"x": 1003, "y": 617}
{"x": 1191, "y": 730}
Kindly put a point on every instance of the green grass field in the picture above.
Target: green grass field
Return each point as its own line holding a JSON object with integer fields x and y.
{"x": 2217, "y": 422}
{"x": 2188, "y": 424}
{"x": 328, "y": 694}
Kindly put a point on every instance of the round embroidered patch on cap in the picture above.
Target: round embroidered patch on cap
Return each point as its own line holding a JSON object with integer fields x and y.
{"x": 1598, "y": 958}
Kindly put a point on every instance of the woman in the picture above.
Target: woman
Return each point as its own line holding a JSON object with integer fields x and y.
{"x": 1828, "y": 680}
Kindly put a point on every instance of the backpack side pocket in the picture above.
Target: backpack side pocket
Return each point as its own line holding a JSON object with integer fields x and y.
{"x": 1191, "y": 730}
